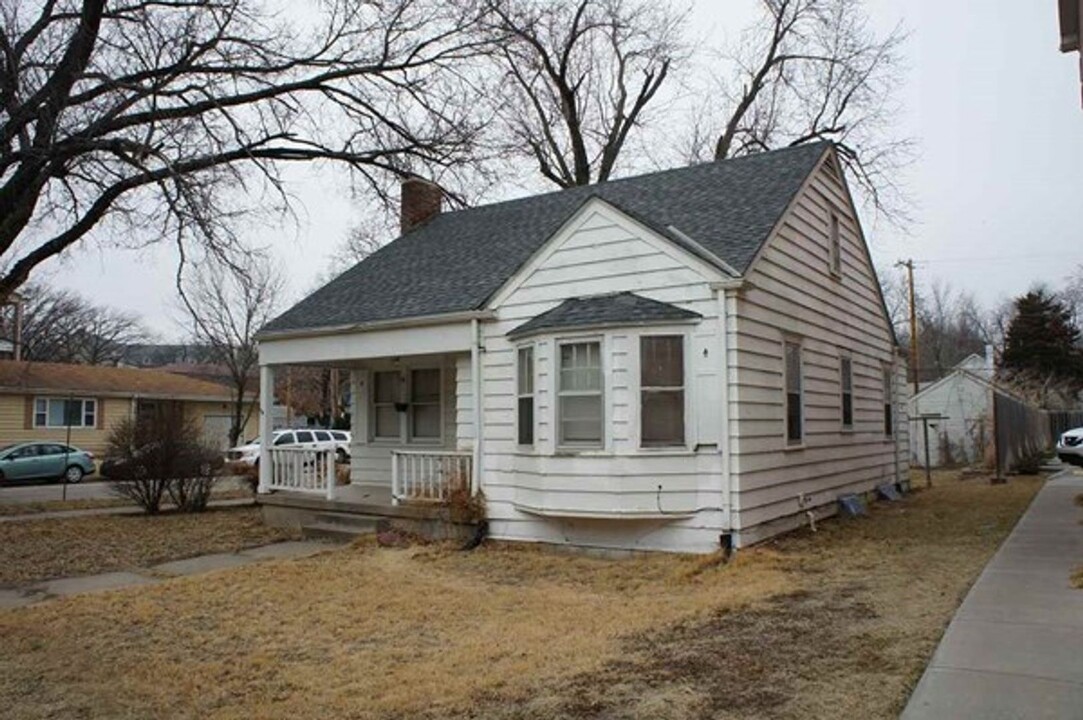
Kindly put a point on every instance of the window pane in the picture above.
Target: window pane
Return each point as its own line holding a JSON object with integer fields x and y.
{"x": 322, "y": 435}
{"x": 304, "y": 436}
{"x": 90, "y": 409}
{"x": 847, "y": 375}
{"x": 661, "y": 361}
{"x": 284, "y": 439}
{"x": 56, "y": 412}
{"x": 663, "y": 417}
{"x": 41, "y": 419}
{"x": 387, "y": 422}
{"x": 793, "y": 416}
{"x": 385, "y": 386}
{"x": 581, "y": 419}
{"x": 526, "y": 371}
{"x": 847, "y": 409}
{"x": 793, "y": 367}
{"x": 526, "y": 420}
{"x": 425, "y": 385}
{"x": 426, "y": 421}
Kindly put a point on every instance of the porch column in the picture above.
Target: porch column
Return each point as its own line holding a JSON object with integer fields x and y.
{"x": 266, "y": 424}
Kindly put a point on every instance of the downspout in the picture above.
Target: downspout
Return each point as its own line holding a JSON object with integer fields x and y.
{"x": 475, "y": 378}
{"x": 724, "y": 448}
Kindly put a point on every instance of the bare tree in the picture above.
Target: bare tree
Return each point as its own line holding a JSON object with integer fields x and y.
{"x": 142, "y": 120}
{"x": 61, "y": 326}
{"x": 576, "y": 77}
{"x": 811, "y": 70}
{"x": 226, "y": 306}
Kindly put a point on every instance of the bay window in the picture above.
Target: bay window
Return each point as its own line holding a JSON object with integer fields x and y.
{"x": 525, "y": 395}
{"x": 661, "y": 383}
{"x": 580, "y": 394}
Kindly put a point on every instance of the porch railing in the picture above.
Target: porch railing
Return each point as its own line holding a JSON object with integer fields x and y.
{"x": 428, "y": 475}
{"x": 303, "y": 470}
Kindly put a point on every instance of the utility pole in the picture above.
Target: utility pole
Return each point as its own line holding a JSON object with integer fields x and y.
{"x": 909, "y": 265}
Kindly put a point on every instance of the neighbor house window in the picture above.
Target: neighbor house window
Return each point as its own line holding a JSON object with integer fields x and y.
{"x": 846, "y": 380}
{"x": 64, "y": 412}
{"x": 425, "y": 404}
{"x": 661, "y": 390}
{"x": 836, "y": 246}
{"x": 794, "y": 414}
{"x": 525, "y": 393}
{"x": 579, "y": 394}
{"x": 889, "y": 419}
{"x": 385, "y": 393}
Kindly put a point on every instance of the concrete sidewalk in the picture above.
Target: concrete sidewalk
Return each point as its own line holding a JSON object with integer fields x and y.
{"x": 115, "y": 510}
{"x": 62, "y": 587}
{"x": 1015, "y": 646}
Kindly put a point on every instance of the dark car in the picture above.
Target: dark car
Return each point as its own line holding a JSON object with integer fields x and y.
{"x": 44, "y": 461}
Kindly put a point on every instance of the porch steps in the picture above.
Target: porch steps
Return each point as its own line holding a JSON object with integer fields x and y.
{"x": 339, "y": 526}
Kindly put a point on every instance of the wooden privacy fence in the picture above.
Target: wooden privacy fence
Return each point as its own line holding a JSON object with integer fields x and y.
{"x": 1022, "y": 431}
{"x": 1063, "y": 420}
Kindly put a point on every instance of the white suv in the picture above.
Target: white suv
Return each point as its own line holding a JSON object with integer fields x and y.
{"x": 307, "y": 438}
{"x": 1070, "y": 446}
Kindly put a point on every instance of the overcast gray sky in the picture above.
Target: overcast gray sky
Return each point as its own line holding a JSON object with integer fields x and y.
{"x": 998, "y": 185}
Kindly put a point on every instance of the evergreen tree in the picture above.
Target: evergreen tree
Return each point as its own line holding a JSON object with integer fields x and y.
{"x": 1042, "y": 342}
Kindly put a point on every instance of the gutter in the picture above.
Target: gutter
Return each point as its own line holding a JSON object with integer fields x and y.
{"x": 416, "y": 321}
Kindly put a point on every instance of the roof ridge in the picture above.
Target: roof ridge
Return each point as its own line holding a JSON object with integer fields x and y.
{"x": 741, "y": 159}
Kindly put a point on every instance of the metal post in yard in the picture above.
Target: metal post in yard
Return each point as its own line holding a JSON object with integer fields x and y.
{"x": 67, "y": 443}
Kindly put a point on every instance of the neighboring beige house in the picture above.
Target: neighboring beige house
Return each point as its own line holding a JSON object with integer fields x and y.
{"x": 34, "y": 397}
{"x": 673, "y": 361}
{"x": 1071, "y": 31}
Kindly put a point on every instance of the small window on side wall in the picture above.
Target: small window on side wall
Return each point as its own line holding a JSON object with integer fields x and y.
{"x": 846, "y": 380}
{"x": 889, "y": 420}
{"x": 661, "y": 382}
{"x": 795, "y": 432}
{"x": 525, "y": 393}
{"x": 836, "y": 246}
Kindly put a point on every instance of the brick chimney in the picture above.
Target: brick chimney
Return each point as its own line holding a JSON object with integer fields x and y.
{"x": 420, "y": 202}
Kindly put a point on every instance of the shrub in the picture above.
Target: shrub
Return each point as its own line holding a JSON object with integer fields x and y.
{"x": 157, "y": 457}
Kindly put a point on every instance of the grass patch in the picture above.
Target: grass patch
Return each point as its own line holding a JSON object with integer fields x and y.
{"x": 32, "y": 550}
{"x": 1076, "y": 579}
{"x": 832, "y": 624}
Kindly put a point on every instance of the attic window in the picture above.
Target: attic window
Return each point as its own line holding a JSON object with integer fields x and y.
{"x": 835, "y": 250}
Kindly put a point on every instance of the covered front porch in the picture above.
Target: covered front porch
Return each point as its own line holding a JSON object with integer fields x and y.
{"x": 413, "y": 428}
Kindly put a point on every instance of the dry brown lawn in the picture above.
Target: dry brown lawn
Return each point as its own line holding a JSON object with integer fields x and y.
{"x": 43, "y": 506}
{"x": 33, "y": 550}
{"x": 834, "y": 624}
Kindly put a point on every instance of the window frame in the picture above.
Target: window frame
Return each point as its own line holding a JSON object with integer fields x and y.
{"x": 834, "y": 239}
{"x": 404, "y": 396}
{"x": 408, "y": 387}
{"x": 374, "y": 405}
{"x": 790, "y": 442}
{"x": 574, "y": 446}
{"x": 83, "y": 413}
{"x": 682, "y": 389}
{"x": 846, "y": 378}
{"x": 520, "y": 395}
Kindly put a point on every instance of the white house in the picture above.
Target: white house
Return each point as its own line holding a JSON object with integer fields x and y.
{"x": 961, "y": 403}
{"x": 667, "y": 362}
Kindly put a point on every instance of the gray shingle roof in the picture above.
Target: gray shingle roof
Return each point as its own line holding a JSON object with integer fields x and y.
{"x": 457, "y": 260}
{"x": 622, "y": 308}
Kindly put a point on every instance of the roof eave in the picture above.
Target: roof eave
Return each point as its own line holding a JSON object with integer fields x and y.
{"x": 593, "y": 327}
{"x": 408, "y": 322}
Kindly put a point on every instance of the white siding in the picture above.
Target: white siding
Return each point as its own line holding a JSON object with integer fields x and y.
{"x": 967, "y": 429}
{"x": 791, "y": 294}
{"x": 670, "y": 500}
